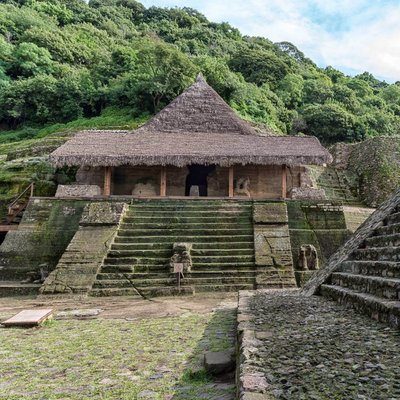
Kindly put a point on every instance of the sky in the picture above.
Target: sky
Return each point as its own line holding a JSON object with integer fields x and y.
{"x": 351, "y": 35}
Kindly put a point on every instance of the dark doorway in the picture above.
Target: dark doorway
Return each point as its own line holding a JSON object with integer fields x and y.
{"x": 2, "y": 236}
{"x": 197, "y": 176}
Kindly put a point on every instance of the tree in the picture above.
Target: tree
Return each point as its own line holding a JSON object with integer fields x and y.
{"x": 161, "y": 74}
{"x": 259, "y": 66}
{"x": 30, "y": 60}
{"x": 330, "y": 122}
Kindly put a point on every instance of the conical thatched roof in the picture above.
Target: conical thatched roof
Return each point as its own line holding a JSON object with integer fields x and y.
{"x": 198, "y": 127}
{"x": 199, "y": 109}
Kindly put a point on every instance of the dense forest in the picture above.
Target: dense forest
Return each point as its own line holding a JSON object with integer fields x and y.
{"x": 113, "y": 63}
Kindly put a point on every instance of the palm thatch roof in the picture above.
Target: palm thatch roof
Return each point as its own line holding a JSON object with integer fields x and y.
{"x": 198, "y": 127}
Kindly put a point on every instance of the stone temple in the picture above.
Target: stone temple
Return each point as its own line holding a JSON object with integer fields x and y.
{"x": 196, "y": 190}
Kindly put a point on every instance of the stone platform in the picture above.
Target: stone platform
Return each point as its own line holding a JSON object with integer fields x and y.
{"x": 298, "y": 347}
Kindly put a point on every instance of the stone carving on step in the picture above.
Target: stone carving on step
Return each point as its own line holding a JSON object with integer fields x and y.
{"x": 37, "y": 276}
{"x": 145, "y": 189}
{"x": 181, "y": 255}
{"x": 242, "y": 186}
{"x": 308, "y": 258}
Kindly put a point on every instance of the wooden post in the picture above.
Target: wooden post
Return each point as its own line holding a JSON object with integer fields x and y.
{"x": 231, "y": 190}
{"x": 284, "y": 184}
{"x": 163, "y": 182}
{"x": 107, "y": 181}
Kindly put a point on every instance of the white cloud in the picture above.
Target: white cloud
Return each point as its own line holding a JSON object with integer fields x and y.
{"x": 356, "y": 35}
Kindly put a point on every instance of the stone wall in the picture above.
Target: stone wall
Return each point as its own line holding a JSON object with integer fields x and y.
{"x": 45, "y": 230}
{"x": 78, "y": 191}
{"x": 273, "y": 255}
{"x": 76, "y": 271}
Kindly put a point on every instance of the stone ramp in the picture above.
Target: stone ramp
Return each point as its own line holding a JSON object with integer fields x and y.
{"x": 297, "y": 347}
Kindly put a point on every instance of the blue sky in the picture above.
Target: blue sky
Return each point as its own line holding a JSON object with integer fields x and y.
{"x": 351, "y": 35}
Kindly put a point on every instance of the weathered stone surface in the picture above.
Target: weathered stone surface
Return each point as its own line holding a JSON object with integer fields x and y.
{"x": 270, "y": 213}
{"x": 46, "y": 229}
{"x": 315, "y": 349}
{"x": 302, "y": 277}
{"x": 356, "y": 216}
{"x": 145, "y": 189}
{"x": 217, "y": 363}
{"x": 78, "y": 191}
{"x": 255, "y": 396}
{"x": 78, "y": 266}
{"x": 307, "y": 193}
{"x": 365, "y": 230}
{"x": 102, "y": 213}
{"x": 273, "y": 256}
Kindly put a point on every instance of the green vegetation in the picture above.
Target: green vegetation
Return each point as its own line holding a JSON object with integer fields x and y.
{"x": 111, "y": 63}
{"x": 116, "y": 358}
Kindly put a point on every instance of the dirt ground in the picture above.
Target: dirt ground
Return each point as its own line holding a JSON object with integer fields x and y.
{"x": 118, "y": 307}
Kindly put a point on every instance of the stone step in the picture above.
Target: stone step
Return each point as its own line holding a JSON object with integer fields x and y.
{"x": 121, "y": 268}
{"x": 377, "y": 254}
{"x": 157, "y": 239}
{"x": 183, "y": 219}
{"x": 388, "y": 269}
{"x": 184, "y": 227}
{"x": 188, "y": 203}
{"x": 184, "y": 232}
{"x": 393, "y": 219}
{"x": 388, "y": 288}
{"x": 137, "y": 212}
{"x": 196, "y": 259}
{"x": 116, "y": 260}
{"x": 387, "y": 311}
{"x": 157, "y": 253}
{"x": 170, "y": 291}
{"x": 192, "y": 274}
{"x": 387, "y": 230}
{"x": 383, "y": 241}
{"x": 171, "y": 281}
{"x": 15, "y": 288}
{"x": 196, "y": 246}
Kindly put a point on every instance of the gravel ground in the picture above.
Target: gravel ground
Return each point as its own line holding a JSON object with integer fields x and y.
{"x": 313, "y": 348}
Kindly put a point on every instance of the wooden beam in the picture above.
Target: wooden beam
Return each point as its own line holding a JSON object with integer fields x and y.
{"x": 231, "y": 175}
{"x": 107, "y": 181}
{"x": 284, "y": 182}
{"x": 163, "y": 182}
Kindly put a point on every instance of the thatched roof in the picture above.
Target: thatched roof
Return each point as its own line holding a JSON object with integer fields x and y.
{"x": 198, "y": 127}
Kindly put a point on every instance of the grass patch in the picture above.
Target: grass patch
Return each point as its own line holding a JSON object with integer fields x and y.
{"x": 110, "y": 118}
{"x": 113, "y": 359}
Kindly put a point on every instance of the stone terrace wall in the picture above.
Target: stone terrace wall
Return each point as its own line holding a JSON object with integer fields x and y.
{"x": 43, "y": 234}
{"x": 76, "y": 271}
{"x": 321, "y": 224}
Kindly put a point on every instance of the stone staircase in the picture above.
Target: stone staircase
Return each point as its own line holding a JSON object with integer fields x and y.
{"x": 221, "y": 232}
{"x": 369, "y": 279}
{"x": 337, "y": 184}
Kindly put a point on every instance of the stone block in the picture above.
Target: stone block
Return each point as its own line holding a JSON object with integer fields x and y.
{"x": 270, "y": 213}
{"x": 307, "y": 193}
{"x": 145, "y": 189}
{"x": 102, "y": 213}
{"x": 78, "y": 191}
{"x": 219, "y": 362}
{"x": 255, "y": 396}
{"x": 302, "y": 277}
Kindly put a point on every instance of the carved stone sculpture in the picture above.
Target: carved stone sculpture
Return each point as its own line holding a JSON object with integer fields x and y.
{"x": 308, "y": 258}
{"x": 242, "y": 186}
{"x": 181, "y": 255}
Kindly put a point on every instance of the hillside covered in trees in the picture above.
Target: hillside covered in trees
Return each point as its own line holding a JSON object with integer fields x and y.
{"x": 112, "y": 63}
